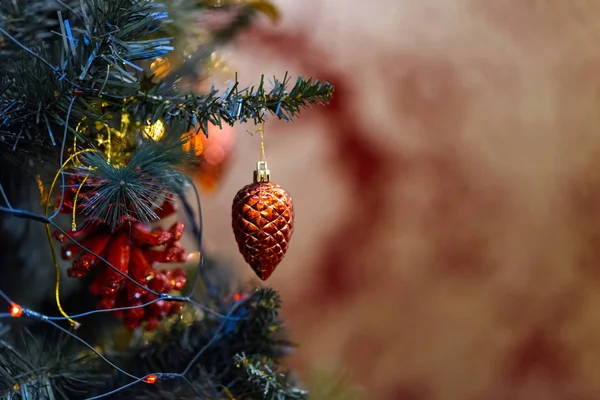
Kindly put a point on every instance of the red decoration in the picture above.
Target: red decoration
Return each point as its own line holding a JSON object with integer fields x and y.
{"x": 263, "y": 221}
{"x": 132, "y": 248}
{"x": 151, "y": 379}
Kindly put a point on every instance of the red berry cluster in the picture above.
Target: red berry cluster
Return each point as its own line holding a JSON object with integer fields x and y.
{"x": 133, "y": 249}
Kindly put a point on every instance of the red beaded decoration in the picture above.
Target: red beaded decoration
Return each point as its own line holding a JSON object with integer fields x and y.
{"x": 133, "y": 248}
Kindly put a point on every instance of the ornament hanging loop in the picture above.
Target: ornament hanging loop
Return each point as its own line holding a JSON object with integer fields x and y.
{"x": 263, "y": 156}
{"x": 260, "y": 130}
{"x": 262, "y": 172}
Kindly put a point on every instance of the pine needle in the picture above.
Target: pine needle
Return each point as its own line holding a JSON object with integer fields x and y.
{"x": 131, "y": 191}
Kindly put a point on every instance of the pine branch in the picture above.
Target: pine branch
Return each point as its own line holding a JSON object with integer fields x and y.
{"x": 263, "y": 379}
{"x": 37, "y": 23}
{"x": 196, "y": 360}
{"x": 234, "y": 104}
{"x": 42, "y": 368}
{"x": 211, "y": 344}
{"x": 93, "y": 71}
{"x": 23, "y": 20}
{"x": 92, "y": 61}
{"x": 92, "y": 57}
{"x": 114, "y": 192}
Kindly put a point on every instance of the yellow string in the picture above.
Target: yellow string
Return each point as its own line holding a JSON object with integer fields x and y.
{"x": 261, "y": 130}
{"x": 228, "y": 393}
{"x": 74, "y": 222}
{"x": 73, "y": 323}
{"x": 75, "y": 138}
{"x": 263, "y": 157}
{"x": 62, "y": 168}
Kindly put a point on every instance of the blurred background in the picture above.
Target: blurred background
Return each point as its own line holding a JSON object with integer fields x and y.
{"x": 447, "y": 202}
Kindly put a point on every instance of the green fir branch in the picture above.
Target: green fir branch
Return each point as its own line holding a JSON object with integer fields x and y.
{"x": 116, "y": 193}
{"x": 51, "y": 368}
{"x": 263, "y": 374}
{"x": 212, "y": 344}
{"x": 92, "y": 60}
{"x": 24, "y": 20}
{"x": 234, "y": 104}
{"x": 44, "y": 368}
{"x": 92, "y": 71}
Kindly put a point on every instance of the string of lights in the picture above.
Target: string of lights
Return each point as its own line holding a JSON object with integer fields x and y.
{"x": 17, "y": 311}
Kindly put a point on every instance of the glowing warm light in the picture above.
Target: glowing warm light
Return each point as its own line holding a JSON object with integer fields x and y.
{"x": 151, "y": 379}
{"x": 155, "y": 131}
{"x": 213, "y": 153}
{"x": 16, "y": 310}
{"x": 192, "y": 143}
{"x": 160, "y": 67}
{"x": 238, "y": 296}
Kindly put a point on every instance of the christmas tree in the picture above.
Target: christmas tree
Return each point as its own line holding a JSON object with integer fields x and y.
{"x": 101, "y": 124}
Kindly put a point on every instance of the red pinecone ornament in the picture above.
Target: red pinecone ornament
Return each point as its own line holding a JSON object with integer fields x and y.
{"x": 263, "y": 223}
{"x": 133, "y": 248}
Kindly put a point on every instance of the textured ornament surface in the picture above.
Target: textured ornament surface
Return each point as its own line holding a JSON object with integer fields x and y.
{"x": 263, "y": 222}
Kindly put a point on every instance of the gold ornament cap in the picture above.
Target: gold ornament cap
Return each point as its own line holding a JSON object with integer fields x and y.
{"x": 262, "y": 172}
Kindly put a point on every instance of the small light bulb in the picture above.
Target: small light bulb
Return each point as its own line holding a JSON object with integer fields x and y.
{"x": 16, "y": 310}
{"x": 155, "y": 131}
